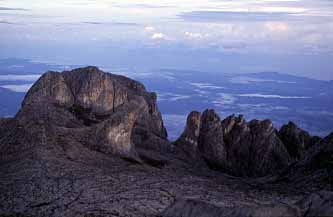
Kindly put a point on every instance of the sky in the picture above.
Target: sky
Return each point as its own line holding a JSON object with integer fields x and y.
{"x": 227, "y": 36}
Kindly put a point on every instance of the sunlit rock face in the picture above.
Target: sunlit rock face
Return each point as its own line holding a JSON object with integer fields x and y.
{"x": 111, "y": 107}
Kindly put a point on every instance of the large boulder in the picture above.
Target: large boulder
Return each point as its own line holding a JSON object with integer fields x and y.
{"x": 115, "y": 109}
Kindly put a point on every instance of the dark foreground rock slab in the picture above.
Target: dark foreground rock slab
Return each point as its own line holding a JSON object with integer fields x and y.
{"x": 193, "y": 208}
{"x": 318, "y": 204}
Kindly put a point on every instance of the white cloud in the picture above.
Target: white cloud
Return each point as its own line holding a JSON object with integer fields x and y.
{"x": 248, "y": 80}
{"x": 158, "y": 36}
{"x": 149, "y": 28}
{"x": 195, "y": 35}
{"x": 18, "y": 88}
{"x": 19, "y": 77}
{"x": 277, "y": 26}
{"x": 172, "y": 97}
{"x": 258, "y": 95}
{"x": 224, "y": 99}
{"x": 179, "y": 97}
{"x": 276, "y": 9}
{"x": 206, "y": 86}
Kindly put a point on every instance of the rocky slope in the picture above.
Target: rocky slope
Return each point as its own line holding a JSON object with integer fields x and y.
{"x": 89, "y": 143}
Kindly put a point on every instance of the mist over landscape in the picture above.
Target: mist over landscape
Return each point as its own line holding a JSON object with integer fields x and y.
{"x": 292, "y": 37}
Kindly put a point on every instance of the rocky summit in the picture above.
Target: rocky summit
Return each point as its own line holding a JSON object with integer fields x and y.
{"x": 235, "y": 146}
{"x": 88, "y": 143}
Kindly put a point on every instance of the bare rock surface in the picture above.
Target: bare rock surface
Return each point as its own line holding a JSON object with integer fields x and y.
{"x": 87, "y": 143}
{"x": 315, "y": 169}
{"x": 258, "y": 145}
{"x": 296, "y": 140}
{"x": 210, "y": 142}
{"x": 316, "y": 204}
{"x": 194, "y": 208}
{"x": 107, "y": 104}
{"x": 188, "y": 141}
{"x": 221, "y": 144}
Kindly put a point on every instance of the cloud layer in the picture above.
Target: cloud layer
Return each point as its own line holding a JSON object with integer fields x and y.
{"x": 208, "y": 31}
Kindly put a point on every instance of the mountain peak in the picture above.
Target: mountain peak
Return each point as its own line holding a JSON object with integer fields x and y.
{"x": 106, "y": 103}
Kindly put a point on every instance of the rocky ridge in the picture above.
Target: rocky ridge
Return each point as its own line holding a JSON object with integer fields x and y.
{"x": 222, "y": 143}
{"x": 90, "y": 143}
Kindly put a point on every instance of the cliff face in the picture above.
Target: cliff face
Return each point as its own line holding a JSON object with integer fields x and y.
{"x": 110, "y": 107}
{"x": 89, "y": 143}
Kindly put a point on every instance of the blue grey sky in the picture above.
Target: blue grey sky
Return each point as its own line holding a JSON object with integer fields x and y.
{"x": 238, "y": 36}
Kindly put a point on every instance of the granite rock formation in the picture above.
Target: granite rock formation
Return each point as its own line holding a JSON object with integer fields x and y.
{"x": 188, "y": 141}
{"x": 87, "y": 143}
{"x": 295, "y": 139}
{"x": 210, "y": 142}
{"x": 97, "y": 103}
{"x": 223, "y": 143}
{"x": 316, "y": 168}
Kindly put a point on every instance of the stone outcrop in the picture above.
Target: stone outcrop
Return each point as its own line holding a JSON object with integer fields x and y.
{"x": 115, "y": 109}
{"x": 316, "y": 167}
{"x": 254, "y": 148}
{"x": 295, "y": 139}
{"x": 233, "y": 145}
{"x": 210, "y": 143}
{"x": 188, "y": 141}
